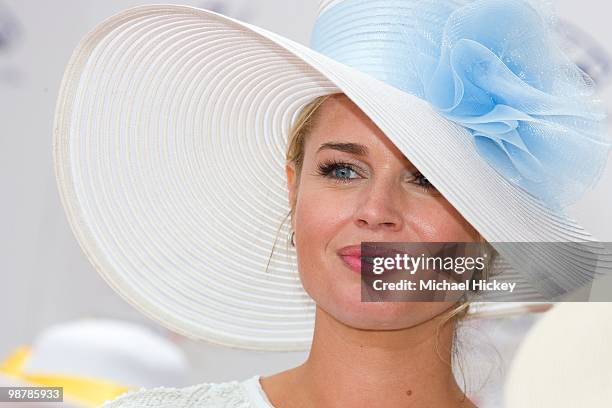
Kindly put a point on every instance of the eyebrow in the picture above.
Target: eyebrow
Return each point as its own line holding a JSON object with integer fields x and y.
{"x": 352, "y": 148}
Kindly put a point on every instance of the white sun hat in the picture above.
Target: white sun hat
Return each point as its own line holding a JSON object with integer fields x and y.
{"x": 172, "y": 123}
{"x": 565, "y": 360}
{"x": 95, "y": 360}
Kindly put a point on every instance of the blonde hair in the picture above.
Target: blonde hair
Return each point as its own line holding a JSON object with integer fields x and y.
{"x": 301, "y": 128}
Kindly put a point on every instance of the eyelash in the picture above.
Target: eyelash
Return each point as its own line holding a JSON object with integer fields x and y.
{"x": 326, "y": 169}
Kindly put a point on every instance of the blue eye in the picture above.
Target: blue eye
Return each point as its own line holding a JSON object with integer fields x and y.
{"x": 339, "y": 171}
{"x": 343, "y": 172}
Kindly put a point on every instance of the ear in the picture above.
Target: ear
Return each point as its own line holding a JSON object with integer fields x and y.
{"x": 291, "y": 182}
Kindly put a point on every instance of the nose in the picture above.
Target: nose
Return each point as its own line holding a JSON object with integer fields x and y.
{"x": 380, "y": 207}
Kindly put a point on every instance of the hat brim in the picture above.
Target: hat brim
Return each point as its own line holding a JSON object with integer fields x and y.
{"x": 567, "y": 350}
{"x": 169, "y": 145}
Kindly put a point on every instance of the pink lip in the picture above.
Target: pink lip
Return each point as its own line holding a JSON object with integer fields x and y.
{"x": 351, "y": 256}
{"x": 353, "y": 262}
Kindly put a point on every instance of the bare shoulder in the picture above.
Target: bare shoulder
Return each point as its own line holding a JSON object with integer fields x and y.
{"x": 213, "y": 395}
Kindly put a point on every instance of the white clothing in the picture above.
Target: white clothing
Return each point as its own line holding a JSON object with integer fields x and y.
{"x": 233, "y": 394}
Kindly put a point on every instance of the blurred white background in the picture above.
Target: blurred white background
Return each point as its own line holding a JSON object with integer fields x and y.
{"x": 47, "y": 279}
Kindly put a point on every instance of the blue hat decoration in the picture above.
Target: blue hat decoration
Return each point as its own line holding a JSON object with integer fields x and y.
{"x": 491, "y": 66}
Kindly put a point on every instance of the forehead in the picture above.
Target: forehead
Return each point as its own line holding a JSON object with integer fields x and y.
{"x": 339, "y": 120}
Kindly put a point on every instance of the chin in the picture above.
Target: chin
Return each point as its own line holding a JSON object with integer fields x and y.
{"x": 351, "y": 311}
{"x": 341, "y": 299}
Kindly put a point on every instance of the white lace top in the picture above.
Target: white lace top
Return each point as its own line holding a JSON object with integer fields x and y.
{"x": 233, "y": 394}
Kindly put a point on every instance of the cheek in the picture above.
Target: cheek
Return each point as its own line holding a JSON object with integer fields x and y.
{"x": 438, "y": 221}
{"x": 320, "y": 217}
{"x": 315, "y": 212}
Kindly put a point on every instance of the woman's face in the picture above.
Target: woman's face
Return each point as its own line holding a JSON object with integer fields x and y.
{"x": 355, "y": 186}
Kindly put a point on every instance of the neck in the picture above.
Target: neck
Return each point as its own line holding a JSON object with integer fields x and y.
{"x": 392, "y": 368}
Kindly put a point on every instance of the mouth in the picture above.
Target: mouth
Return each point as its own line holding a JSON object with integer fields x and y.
{"x": 352, "y": 262}
{"x": 354, "y": 258}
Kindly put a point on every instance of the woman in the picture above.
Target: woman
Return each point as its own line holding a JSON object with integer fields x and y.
{"x": 372, "y": 194}
{"x": 370, "y": 354}
{"x": 170, "y": 131}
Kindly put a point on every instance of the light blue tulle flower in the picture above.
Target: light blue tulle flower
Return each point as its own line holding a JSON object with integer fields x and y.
{"x": 492, "y": 66}
{"x": 501, "y": 75}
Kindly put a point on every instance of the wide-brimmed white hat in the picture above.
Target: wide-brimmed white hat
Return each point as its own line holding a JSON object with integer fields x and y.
{"x": 565, "y": 360}
{"x": 172, "y": 123}
{"x": 95, "y": 360}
